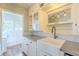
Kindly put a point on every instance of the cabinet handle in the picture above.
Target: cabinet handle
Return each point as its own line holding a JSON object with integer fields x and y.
{"x": 30, "y": 42}
{"x": 27, "y": 44}
{"x": 45, "y": 55}
{"x": 75, "y": 24}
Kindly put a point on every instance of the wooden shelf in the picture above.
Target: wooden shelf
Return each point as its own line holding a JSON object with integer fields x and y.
{"x": 60, "y": 23}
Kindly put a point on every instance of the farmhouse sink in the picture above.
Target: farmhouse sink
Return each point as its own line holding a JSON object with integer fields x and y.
{"x": 50, "y": 46}
{"x": 52, "y": 42}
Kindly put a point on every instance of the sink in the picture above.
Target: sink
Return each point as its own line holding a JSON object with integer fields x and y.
{"x": 50, "y": 46}
{"x": 52, "y": 42}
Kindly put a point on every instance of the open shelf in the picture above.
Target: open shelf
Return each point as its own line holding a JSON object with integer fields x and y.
{"x": 60, "y": 23}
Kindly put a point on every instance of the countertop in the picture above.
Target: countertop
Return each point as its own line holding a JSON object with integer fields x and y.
{"x": 34, "y": 37}
{"x": 71, "y": 48}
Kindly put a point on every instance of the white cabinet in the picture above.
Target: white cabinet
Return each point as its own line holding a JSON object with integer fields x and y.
{"x": 32, "y": 48}
{"x": 75, "y": 18}
{"x": 39, "y": 18}
{"x": 29, "y": 47}
{"x": 39, "y": 21}
{"x": 37, "y": 48}
{"x": 35, "y": 22}
{"x": 25, "y": 46}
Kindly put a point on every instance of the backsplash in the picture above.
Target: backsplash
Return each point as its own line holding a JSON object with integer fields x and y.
{"x": 39, "y": 33}
{"x": 74, "y": 38}
{"x": 63, "y": 29}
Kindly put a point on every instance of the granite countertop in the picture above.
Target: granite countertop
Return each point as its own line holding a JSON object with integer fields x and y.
{"x": 71, "y": 48}
{"x": 34, "y": 37}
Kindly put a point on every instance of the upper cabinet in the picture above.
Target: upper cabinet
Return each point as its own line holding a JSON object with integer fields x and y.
{"x": 35, "y": 22}
{"x": 33, "y": 17}
{"x": 75, "y": 18}
{"x": 39, "y": 18}
{"x": 39, "y": 21}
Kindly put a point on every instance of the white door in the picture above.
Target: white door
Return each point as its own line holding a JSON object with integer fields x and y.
{"x": 12, "y": 28}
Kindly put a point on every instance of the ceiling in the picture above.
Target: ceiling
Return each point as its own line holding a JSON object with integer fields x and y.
{"x": 26, "y": 5}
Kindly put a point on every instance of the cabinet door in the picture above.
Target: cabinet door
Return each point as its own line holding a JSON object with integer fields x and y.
{"x": 32, "y": 48}
{"x": 25, "y": 46}
{"x": 35, "y": 25}
{"x": 35, "y": 22}
{"x": 75, "y": 18}
{"x": 43, "y": 20}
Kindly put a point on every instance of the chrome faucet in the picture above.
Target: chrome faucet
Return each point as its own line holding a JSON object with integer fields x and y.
{"x": 54, "y": 31}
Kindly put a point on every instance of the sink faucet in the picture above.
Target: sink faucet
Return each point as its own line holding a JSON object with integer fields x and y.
{"x": 54, "y": 31}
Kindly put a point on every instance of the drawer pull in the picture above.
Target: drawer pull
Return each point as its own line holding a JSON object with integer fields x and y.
{"x": 30, "y": 42}
{"x": 27, "y": 44}
{"x": 45, "y": 55}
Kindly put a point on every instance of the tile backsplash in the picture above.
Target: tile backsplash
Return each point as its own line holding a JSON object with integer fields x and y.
{"x": 65, "y": 29}
{"x": 74, "y": 38}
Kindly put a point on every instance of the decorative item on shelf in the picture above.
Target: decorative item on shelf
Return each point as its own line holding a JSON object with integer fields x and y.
{"x": 60, "y": 17}
{"x": 53, "y": 18}
{"x": 42, "y": 4}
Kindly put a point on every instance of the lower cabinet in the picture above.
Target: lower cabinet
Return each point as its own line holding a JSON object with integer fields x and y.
{"x": 25, "y": 46}
{"x": 29, "y": 47}
{"x": 33, "y": 48}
